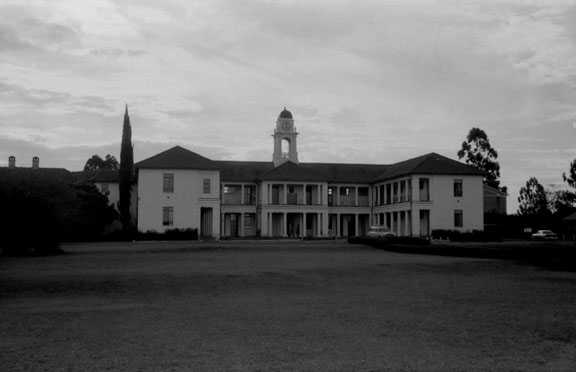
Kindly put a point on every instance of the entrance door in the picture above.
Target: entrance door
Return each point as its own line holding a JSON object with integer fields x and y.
{"x": 424, "y": 222}
{"x": 234, "y": 225}
{"x": 206, "y": 222}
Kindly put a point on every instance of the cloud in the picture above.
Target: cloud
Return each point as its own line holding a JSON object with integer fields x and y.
{"x": 367, "y": 81}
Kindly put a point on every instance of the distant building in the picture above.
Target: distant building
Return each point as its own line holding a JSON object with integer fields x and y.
{"x": 288, "y": 198}
{"x": 106, "y": 181}
{"x": 494, "y": 200}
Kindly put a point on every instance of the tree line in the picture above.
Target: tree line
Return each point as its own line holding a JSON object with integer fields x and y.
{"x": 535, "y": 202}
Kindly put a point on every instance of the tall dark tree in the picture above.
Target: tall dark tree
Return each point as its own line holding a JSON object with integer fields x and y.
{"x": 478, "y": 152}
{"x": 532, "y": 200}
{"x": 126, "y": 172}
{"x": 97, "y": 163}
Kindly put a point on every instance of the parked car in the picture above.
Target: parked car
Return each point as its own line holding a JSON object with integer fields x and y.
{"x": 379, "y": 232}
{"x": 544, "y": 235}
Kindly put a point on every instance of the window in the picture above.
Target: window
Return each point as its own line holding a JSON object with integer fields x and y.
{"x": 206, "y": 186}
{"x": 395, "y": 192}
{"x": 105, "y": 188}
{"x": 389, "y": 193}
{"x": 402, "y": 191}
{"x": 168, "y": 216}
{"x": 424, "y": 186}
{"x": 168, "y": 184}
{"x": 458, "y": 218}
{"x": 458, "y": 189}
{"x": 249, "y": 194}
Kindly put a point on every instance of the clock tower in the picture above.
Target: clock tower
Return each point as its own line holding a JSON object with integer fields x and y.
{"x": 285, "y": 139}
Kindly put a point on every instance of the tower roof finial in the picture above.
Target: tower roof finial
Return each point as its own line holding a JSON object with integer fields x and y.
{"x": 285, "y": 114}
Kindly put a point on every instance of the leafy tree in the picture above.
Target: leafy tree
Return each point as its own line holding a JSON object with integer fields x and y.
{"x": 126, "y": 172}
{"x": 570, "y": 179}
{"x": 532, "y": 200}
{"x": 562, "y": 202}
{"x": 96, "y": 163}
{"x": 478, "y": 152}
{"x": 42, "y": 209}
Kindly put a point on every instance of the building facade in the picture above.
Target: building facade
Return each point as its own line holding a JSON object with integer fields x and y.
{"x": 288, "y": 198}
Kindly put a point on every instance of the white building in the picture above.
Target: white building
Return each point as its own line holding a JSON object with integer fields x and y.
{"x": 286, "y": 198}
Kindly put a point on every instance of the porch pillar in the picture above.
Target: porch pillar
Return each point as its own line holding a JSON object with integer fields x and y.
{"x": 337, "y": 199}
{"x": 241, "y": 232}
{"x": 337, "y": 224}
{"x": 356, "y": 196}
{"x": 242, "y": 194}
{"x": 284, "y": 225}
{"x": 356, "y": 220}
{"x": 304, "y": 220}
{"x": 285, "y": 188}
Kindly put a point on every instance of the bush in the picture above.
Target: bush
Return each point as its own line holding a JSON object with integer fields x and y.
{"x": 171, "y": 234}
{"x": 384, "y": 242}
{"x": 466, "y": 236}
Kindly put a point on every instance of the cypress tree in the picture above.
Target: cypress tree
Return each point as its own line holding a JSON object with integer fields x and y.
{"x": 126, "y": 172}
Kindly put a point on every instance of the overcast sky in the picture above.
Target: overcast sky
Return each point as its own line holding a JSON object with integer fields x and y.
{"x": 367, "y": 81}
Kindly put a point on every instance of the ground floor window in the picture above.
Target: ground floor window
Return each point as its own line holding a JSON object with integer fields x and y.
{"x": 458, "y": 218}
{"x": 167, "y": 216}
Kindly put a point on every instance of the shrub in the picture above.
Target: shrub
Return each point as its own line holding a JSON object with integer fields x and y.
{"x": 384, "y": 242}
{"x": 466, "y": 236}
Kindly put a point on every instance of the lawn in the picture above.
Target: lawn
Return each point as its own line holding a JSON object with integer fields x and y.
{"x": 280, "y": 306}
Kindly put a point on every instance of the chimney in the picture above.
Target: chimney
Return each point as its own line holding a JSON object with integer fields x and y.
{"x": 12, "y": 161}
{"x": 35, "y": 162}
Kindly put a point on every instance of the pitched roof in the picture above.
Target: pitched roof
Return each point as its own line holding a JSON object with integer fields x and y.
{"x": 59, "y": 175}
{"x": 177, "y": 158}
{"x": 242, "y": 171}
{"x": 101, "y": 175}
{"x": 324, "y": 172}
{"x": 431, "y": 163}
{"x": 571, "y": 217}
{"x": 252, "y": 171}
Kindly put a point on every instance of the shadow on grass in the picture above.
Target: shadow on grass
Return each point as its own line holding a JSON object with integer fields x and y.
{"x": 560, "y": 256}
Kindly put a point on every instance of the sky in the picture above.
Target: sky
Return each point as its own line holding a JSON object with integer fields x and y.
{"x": 367, "y": 81}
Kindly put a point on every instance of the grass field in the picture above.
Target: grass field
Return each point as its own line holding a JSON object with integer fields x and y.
{"x": 280, "y": 306}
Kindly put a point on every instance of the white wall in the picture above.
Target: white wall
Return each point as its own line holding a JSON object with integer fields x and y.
{"x": 443, "y": 202}
{"x": 187, "y": 199}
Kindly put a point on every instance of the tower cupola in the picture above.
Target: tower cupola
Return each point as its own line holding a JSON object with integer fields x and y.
{"x": 285, "y": 134}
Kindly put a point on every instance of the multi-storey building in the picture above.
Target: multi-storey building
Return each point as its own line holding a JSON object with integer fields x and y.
{"x": 287, "y": 198}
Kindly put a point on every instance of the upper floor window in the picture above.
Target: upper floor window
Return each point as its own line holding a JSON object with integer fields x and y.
{"x": 388, "y": 193}
{"x": 458, "y": 189}
{"x": 206, "y": 186}
{"x": 168, "y": 183}
{"x": 250, "y": 194}
{"x": 458, "y": 218}
{"x": 424, "y": 187}
{"x": 168, "y": 216}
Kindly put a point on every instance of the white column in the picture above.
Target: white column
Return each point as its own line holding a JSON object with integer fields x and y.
{"x": 356, "y": 196}
{"x": 356, "y": 220}
{"x": 304, "y": 220}
{"x": 284, "y": 225}
{"x": 242, "y": 194}
{"x": 337, "y": 224}
{"x": 285, "y": 187}
{"x": 337, "y": 199}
